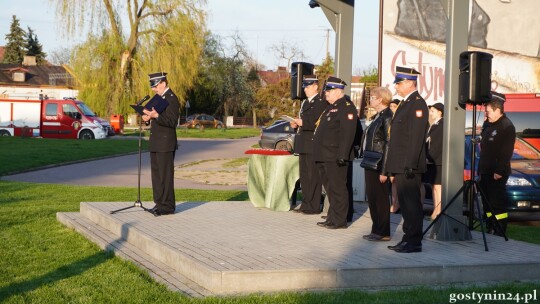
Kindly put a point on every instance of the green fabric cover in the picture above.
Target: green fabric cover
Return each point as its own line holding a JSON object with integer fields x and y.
{"x": 271, "y": 180}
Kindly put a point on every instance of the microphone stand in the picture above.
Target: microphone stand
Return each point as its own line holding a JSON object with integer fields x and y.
{"x": 138, "y": 202}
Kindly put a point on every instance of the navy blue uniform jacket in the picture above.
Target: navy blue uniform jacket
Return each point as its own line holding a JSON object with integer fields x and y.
{"x": 406, "y": 146}
{"x": 163, "y": 128}
{"x": 309, "y": 113}
{"x": 335, "y": 134}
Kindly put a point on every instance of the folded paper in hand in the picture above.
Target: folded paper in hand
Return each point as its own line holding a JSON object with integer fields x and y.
{"x": 287, "y": 118}
{"x": 157, "y": 102}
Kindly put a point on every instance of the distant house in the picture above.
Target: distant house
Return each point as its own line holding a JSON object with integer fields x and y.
{"x": 273, "y": 77}
{"x": 30, "y": 81}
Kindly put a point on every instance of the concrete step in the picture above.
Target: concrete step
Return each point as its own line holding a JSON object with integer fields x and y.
{"x": 108, "y": 241}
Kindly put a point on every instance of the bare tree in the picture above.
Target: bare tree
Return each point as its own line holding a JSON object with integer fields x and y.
{"x": 59, "y": 56}
{"x": 283, "y": 50}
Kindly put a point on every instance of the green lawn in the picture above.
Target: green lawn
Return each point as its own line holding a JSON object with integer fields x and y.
{"x": 18, "y": 154}
{"x": 230, "y": 133}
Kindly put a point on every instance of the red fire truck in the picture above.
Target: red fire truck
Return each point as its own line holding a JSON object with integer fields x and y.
{"x": 51, "y": 118}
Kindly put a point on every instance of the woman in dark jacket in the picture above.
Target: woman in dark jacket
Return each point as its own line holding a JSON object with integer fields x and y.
{"x": 377, "y": 188}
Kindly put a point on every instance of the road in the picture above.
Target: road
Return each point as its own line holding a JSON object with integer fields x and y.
{"x": 121, "y": 171}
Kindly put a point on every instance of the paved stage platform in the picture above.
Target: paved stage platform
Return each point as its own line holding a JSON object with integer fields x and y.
{"x": 218, "y": 248}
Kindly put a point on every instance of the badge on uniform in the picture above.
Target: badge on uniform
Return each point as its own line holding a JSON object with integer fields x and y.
{"x": 350, "y": 116}
{"x": 419, "y": 113}
{"x": 492, "y": 137}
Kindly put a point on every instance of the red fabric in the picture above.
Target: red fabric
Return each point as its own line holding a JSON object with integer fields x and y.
{"x": 267, "y": 152}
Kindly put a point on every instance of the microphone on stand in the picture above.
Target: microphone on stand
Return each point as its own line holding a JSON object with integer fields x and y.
{"x": 145, "y": 98}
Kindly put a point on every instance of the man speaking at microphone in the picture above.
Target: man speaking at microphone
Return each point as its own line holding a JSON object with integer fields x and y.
{"x": 162, "y": 145}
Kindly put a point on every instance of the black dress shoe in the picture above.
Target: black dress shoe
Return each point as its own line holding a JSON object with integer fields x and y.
{"x": 297, "y": 210}
{"x": 323, "y": 224}
{"x": 398, "y": 245}
{"x": 408, "y": 248}
{"x": 334, "y": 226}
{"x": 378, "y": 238}
{"x": 310, "y": 212}
{"x": 367, "y": 236}
{"x": 158, "y": 212}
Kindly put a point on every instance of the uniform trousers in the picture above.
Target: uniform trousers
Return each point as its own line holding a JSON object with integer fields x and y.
{"x": 379, "y": 203}
{"x": 334, "y": 180}
{"x": 495, "y": 193}
{"x": 408, "y": 191}
{"x": 162, "y": 168}
{"x": 350, "y": 210}
{"x": 311, "y": 184}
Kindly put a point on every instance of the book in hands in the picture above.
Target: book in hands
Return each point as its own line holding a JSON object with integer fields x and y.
{"x": 157, "y": 102}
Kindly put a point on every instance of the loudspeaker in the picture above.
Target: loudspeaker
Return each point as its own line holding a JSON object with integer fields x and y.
{"x": 474, "y": 78}
{"x": 298, "y": 70}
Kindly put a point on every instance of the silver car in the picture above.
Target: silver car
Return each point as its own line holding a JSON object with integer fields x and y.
{"x": 278, "y": 136}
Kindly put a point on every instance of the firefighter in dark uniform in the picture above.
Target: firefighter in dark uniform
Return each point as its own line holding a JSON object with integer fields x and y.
{"x": 162, "y": 145}
{"x": 333, "y": 151}
{"x": 496, "y": 149}
{"x": 406, "y": 157}
{"x": 310, "y": 111}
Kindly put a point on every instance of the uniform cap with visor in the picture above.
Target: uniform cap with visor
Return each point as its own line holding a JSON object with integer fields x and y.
{"x": 334, "y": 83}
{"x": 156, "y": 78}
{"x": 403, "y": 73}
{"x": 309, "y": 80}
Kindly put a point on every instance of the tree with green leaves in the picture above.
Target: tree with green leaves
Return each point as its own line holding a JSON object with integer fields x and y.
{"x": 255, "y": 83}
{"x": 15, "y": 48}
{"x": 111, "y": 66}
{"x": 34, "y": 47}
{"x": 206, "y": 94}
{"x": 275, "y": 100}
{"x": 369, "y": 74}
{"x": 221, "y": 86}
{"x": 325, "y": 69}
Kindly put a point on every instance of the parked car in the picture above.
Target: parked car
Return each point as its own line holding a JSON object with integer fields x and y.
{"x": 203, "y": 120}
{"x": 532, "y": 136}
{"x": 278, "y": 136}
{"x": 523, "y": 185}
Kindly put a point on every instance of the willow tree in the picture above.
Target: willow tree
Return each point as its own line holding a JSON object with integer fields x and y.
{"x": 112, "y": 65}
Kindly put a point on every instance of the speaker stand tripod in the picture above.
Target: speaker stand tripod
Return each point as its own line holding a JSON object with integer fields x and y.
{"x": 138, "y": 202}
{"x": 471, "y": 187}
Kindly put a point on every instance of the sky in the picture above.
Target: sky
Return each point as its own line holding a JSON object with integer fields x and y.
{"x": 260, "y": 24}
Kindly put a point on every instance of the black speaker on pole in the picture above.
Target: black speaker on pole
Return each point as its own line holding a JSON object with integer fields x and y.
{"x": 474, "y": 78}
{"x": 298, "y": 70}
